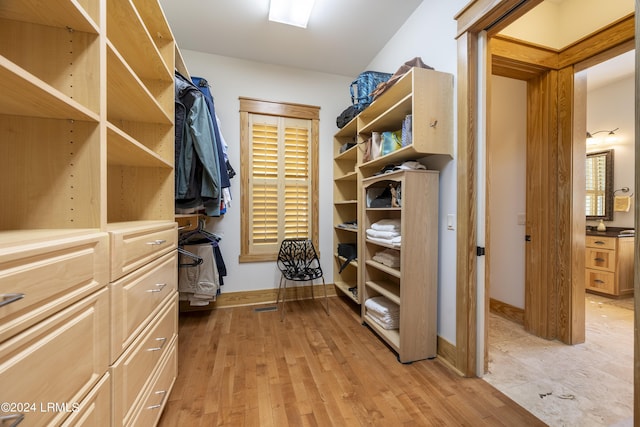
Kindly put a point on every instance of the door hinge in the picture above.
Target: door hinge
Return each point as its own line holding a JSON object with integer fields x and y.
{"x": 479, "y": 251}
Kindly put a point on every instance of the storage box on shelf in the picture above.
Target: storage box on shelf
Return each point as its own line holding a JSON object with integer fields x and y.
{"x": 345, "y": 206}
{"x": 410, "y": 282}
{"x": 86, "y": 124}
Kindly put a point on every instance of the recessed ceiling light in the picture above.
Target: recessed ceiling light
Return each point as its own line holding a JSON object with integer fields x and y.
{"x": 291, "y": 12}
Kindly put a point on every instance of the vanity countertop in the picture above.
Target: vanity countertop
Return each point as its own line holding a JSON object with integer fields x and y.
{"x": 611, "y": 232}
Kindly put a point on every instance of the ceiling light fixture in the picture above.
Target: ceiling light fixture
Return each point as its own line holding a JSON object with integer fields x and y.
{"x": 291, "y": 12}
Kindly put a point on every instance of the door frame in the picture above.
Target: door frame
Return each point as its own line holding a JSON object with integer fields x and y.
{"x": 492, "y": 16}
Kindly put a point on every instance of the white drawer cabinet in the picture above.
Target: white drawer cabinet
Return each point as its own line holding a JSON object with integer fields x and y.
{"x": 135, "y": 244}
{"x": 137, "y": 296}
{"x": 134, "y": 371}
{"x": 58, "y": 361}
{"x": 95, "y": 409}
{"x": 42, "y": 276}
{"x": 148, "y": 412}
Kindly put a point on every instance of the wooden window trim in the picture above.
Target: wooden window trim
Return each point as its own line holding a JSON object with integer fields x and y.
{"x": 299, "y": 111}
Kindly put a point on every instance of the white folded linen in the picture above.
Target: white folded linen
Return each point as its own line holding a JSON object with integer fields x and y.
{"x": 382, "y": 234}
{"x": 385, "y": 323}
{"x": 382, "y": 306}
{"x": 387, "y": 224}
{"x": 396, "y": 241}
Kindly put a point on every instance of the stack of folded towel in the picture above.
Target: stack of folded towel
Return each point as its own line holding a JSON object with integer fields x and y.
{"x": 385, "y": 231}
{"x": 384, "y": 312}
{"x": 388, "y": 257}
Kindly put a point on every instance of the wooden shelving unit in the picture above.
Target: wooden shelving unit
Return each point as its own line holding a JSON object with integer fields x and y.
{"x": 427, "y": 96}
{"x": 86, "y": 159}
{"x": 413, "y": 285}
{"x": 345, "y": 206}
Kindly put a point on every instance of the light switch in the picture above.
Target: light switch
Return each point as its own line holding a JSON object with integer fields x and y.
{"x": 451, "y": 222}
{"x": 522, "y": 219}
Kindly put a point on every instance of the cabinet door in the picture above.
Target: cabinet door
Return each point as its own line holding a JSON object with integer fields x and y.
{"x": 134, "y": 246}
{"x": 133, "y": 371}
{"x": 600, "y": 281}
{"x": 600, "y": 259}
{"x": 58, "y": 361}
{"x": 38, "y": 279}
{"x": 138, "y": 295}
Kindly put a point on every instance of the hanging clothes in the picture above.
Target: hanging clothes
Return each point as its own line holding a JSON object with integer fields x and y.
{"x": 199, "y": 284}
{"x": 226, "y": 171}
{"x": 197, "y": 174}
{"x": 201, "y": 267}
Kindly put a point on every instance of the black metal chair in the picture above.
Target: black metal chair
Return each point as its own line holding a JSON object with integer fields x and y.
{"x": 298, "y": 262}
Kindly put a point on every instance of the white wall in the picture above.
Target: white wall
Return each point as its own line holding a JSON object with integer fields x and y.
{"x": 507, "y": 195}
{"x": 611, "y": 107}
{"x": 430, "y": 34}
{"x": 608, "y": 107}
{"x": 231, "y": 78}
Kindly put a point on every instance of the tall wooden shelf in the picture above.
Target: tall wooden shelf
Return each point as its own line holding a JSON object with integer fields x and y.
{"x": 87, "y": 163}
{"x": 413, "y": 285}
{"x": 426, "y": 95}
{"x": 345, "y": 206}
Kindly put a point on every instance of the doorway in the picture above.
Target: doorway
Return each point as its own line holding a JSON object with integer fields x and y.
{"x": 557, "y": 307}
{"x": 560, "y": 384}
{"x": 473, "y": 20}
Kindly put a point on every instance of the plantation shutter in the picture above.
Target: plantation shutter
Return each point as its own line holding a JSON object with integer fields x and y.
{"x": 280, "y": 199}
{"x": 595, "y": 190}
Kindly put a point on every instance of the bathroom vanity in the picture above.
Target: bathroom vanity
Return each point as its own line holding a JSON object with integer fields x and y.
{"x": 609, "y": 262}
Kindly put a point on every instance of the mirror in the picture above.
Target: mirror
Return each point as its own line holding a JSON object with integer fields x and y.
{"x": 599, "y": 185}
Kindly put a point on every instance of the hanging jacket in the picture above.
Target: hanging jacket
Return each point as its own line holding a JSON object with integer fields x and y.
{"x": 203, "y": 86}
{"x": 197, "y": 171}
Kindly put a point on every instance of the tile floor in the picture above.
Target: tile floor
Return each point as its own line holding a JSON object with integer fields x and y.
{"x": 584, "y": 385}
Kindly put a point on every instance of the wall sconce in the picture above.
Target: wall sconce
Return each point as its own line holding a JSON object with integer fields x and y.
{"x": 611, "y": 136}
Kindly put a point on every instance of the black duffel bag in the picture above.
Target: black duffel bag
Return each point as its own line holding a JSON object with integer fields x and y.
{"x": 346, "y": 116}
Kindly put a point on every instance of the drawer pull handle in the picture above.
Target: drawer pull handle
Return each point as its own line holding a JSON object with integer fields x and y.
{"x": 159, "y": 287}
{"x": 598, "y": 281}
{"x": 159, "y": 405}
{"x": 599, "y": 259}
{"x": 162, "y": 340}
{"x": 6, "y": 299}
{"x": 157, "y": 242}
{"x": 16, "y": 418}
{"x": 599, "y": 242}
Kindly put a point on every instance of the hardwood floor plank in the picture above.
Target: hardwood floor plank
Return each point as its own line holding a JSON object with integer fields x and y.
{"x": 239, "y": 367}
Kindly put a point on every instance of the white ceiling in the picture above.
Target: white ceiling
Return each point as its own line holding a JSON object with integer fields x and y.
{"x": 343, "y": 36}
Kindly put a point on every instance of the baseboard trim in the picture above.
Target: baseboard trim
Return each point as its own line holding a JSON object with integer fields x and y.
{"x": 262, "y": 296}
{"x": 507, "y": 311}
{"x": 447, "y": 353}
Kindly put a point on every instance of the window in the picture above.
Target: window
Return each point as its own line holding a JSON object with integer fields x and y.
{"x": 279, "y": 176}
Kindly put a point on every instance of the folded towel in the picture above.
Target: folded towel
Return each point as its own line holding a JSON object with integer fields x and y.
{"x": 396, "y": 241}
{"x": 384, "y": 322}
{"x": 388, "y": 257}
{"x": 382, "y": 234}
{"x": 387, "y": 224}
{"x": 383, "y": 306}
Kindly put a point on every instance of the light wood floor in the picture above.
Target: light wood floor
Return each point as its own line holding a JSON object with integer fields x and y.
{"x": 239, "y": 367}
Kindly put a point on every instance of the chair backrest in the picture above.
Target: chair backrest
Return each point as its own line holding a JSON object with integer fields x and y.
{"x": 298, "y": 258}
